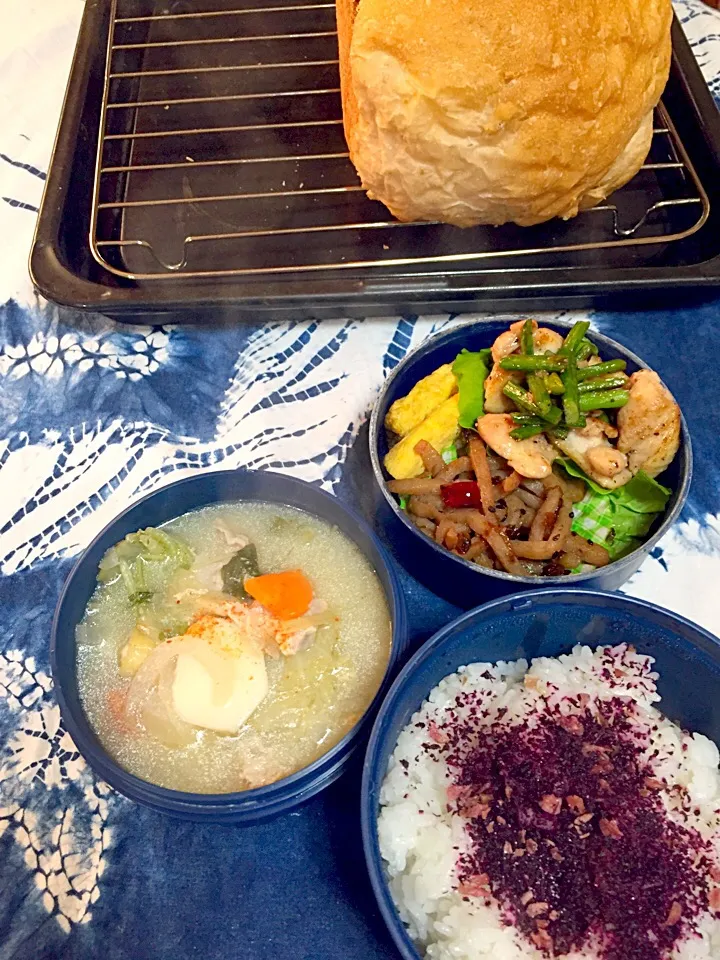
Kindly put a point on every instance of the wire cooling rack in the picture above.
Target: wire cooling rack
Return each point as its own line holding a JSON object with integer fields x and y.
{"x": 221, "y": 153}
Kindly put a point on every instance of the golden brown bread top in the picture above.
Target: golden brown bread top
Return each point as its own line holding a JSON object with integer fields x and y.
{"x": 471, "y": 49}
{"x": 560, "y": 85}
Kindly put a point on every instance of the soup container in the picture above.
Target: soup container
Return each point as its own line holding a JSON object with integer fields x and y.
{"x": 541, "y": 623}
{"x": 157, "y": 508}
{"x": 460, "y": 581}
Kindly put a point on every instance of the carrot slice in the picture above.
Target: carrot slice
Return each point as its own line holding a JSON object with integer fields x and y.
{"x": 286, "y": 595}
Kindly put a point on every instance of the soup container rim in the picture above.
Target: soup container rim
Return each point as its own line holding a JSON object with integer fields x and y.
{"x": 254, "y": 800}
{"x": 373, "y": 778}
{"x": 631, "y": 559}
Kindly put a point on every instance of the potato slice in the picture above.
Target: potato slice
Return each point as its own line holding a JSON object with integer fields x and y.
{"x": 135, "y": 652}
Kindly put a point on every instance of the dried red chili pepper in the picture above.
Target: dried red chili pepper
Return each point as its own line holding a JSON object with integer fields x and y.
{"x": 461, "y": 493}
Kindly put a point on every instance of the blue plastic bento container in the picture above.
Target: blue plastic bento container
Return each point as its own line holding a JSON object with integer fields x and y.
{"x": 539, "y": 623}
{"x": 460, "y": 581}
{"x": 163, "y": 505}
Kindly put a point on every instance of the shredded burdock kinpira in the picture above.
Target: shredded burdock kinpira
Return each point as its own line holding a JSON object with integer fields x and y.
{"x": 464, "y": 506}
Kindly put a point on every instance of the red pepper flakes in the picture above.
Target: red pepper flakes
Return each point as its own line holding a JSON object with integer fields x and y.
{"x": 571, "y": 831}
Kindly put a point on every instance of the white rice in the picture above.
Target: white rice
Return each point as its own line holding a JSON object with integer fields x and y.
{"x": 420, "y": 840}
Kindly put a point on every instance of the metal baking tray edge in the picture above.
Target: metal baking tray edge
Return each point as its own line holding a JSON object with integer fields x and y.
{"x": 91, "y": 288}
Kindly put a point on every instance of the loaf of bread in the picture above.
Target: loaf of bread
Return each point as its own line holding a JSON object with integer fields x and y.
{"x": 491, "y": 111}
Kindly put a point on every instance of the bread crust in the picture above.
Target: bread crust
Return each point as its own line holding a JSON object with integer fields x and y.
{"x": 489, "y": 111}
{"x": 345, "y": 15}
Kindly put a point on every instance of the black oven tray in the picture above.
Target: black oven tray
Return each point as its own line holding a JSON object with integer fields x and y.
{"x": 311, "y": 244}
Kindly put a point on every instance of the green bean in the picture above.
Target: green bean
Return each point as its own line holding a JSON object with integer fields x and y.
{"x": 525, "y": 419}
{"x": 525, "y": 401}
{"x": 586, "y": 349}
{"x": 604, "y": 400}
{"x": 526, "y": 339}
{"x": 609, "y": 382}
{"x": 599, "y": 369}
{"x": 554, "y": 415}
{"x": 528, "y": 420}
{"x": 536, "y": 362}
{"x": 573, "y": 340}
{"x": 557, "y": 363}
{"x": 521, "y": 397}
{"x": 531, "y": 430}
{"x": 571, "y": 404}
{"x": 554, "y": 384}
{"x": 539, "y": 392}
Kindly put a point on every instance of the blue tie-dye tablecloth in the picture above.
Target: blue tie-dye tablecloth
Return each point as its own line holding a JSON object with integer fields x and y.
{"x": 95, "y": 414}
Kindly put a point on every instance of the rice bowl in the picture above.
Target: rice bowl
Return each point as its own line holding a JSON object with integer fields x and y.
{"x": 544, "y": 625}
{"x": 437, "y": 834}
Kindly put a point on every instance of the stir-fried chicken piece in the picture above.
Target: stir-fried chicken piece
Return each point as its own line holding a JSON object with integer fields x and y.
{"x": 495, "y": 400}
{"x": 591, "y": 450}
{"x": 649, "y": 424}
{"x": 531, "y": 458}
{"x": 545, "y": 340}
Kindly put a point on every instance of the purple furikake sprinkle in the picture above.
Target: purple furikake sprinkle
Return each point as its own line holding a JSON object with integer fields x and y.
{"x": 568, "y": 831}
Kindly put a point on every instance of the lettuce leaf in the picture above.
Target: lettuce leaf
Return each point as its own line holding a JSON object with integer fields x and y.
{"x": 571, "y": 468}
{"x": 620, "y": 519}
{"x": 471, "y": 370}
{"x": 628, "y": 529}
{"x": 642, "y": 494}
{"x": 619, "y": 548}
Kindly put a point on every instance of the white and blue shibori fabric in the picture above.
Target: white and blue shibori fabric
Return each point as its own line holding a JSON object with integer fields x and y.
{"x": 94, "y": 415}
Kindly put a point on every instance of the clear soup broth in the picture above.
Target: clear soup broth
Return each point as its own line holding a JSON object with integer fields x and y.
{"x": 314, "y": 696}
